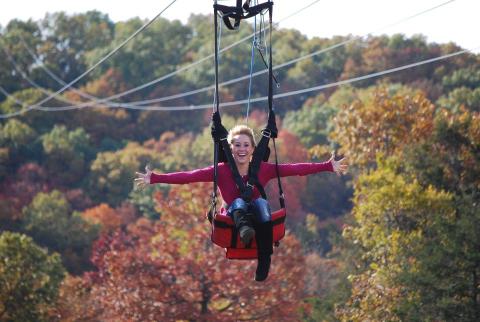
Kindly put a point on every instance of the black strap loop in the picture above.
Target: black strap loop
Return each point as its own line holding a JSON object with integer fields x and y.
{"x": 239, "y": 12}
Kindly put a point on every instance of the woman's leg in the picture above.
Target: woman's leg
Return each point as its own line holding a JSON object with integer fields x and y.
{"x": 264, "y": 237}
{"x": 238, "y": 210}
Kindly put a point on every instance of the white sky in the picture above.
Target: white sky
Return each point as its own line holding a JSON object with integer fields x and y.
{"x": 456, "y": 21}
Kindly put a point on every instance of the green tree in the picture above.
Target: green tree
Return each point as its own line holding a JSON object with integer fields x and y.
{"x": 67, "y": 154}
{"x": 465, "y": 77}
{"x": 111, "y": 173}
{"x": 461, "y": 97}
{"x": 29, "y": 279}
{"x": 50, "y": 221}
{"x": 416, "y": 265}
{"x": 69, "y": 39}
{"x": 18, "y": 143}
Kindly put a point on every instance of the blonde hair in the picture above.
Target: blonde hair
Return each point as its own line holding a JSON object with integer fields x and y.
{"x": 241, "y": 129}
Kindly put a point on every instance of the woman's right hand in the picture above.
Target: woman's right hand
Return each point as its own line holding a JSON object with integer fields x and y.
{"x": 143, "y": 179}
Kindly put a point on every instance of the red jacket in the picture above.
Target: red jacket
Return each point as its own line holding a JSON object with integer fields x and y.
{"x": 226, "y": 183}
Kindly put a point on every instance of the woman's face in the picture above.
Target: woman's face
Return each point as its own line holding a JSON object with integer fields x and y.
{"x": 242, "y": 148}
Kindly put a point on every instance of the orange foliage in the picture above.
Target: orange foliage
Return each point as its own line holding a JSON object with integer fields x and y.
{"x": 169, "y": 270}
{"x": 385, "y": 125}
{"x": 109, "y": 218}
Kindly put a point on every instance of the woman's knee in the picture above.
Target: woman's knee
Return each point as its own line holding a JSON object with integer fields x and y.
{"x": 238, "y": 204}
{"x": 263, "y": 213}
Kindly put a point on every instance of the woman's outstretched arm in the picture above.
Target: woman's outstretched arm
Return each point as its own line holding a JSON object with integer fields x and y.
{"x": 302, "y": 169}
{"x": 184, "y": 177}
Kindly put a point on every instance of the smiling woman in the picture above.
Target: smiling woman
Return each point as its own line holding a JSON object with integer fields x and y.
{"x": 252, "y": 219}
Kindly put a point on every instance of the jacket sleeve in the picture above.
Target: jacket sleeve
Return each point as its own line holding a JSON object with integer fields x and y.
{"x": 184, "y": 177}
{"x": 299, "y": 169}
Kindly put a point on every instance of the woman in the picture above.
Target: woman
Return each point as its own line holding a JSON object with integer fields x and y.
{"x": 251, "y": 219}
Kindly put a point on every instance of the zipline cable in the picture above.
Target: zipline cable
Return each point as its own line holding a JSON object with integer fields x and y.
{"x": 290, "y": 62}
{"x": 155, "y": 81}
{"x": 262, "y": 71}
{"x": 302, "y": 91}
{"x": 88, "y": 71}
{"x": 136, "y": 104}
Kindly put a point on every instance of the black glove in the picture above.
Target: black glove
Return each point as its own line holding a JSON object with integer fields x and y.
{"x": 218, "y": 130}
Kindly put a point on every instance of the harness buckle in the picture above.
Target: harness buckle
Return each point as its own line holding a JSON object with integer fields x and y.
{"x": 266, "y": 133}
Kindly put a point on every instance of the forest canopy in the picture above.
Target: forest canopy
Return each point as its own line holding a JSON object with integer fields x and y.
{"x": 397, "y": 239}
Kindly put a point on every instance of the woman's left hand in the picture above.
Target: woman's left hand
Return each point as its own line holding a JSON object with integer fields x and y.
{"x": 339, "y": 166}
{"x": 143, "y": 179}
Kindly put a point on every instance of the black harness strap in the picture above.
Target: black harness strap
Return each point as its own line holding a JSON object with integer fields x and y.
{"x": 219, "y": 133}
{"x": 239, "y": 12}
{"x": 269, "y": 132}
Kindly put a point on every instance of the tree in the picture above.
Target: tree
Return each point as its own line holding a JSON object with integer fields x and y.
{"x": 312, "y": 123}
{"x": 108, "y": 218}
{"x": 324, "y": 68}
{"x": 414, "y": 267}
{"x": 18, "y": 190}
{"x": 111, "y": 173}
{"x": 461, "y": 97}
{"x": 51, "y": 223}
{"x": 29, "y": 279}
{"x": 169, "y": 270}
{"x": 17, "y": 140}
{"x": 70, "y": 39}
{"x": 386, "y": 125}
{"x": 66, "y": 153}
{"x": 450, "y": 154}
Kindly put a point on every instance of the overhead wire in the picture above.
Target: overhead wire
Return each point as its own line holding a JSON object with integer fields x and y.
{"x": 137, "y": 104}
{"x": 88, "y": 71}
{"x": 288, "y": 63}
{"x": 316, "y": 88}
{"x": 310, "y": 89}
{"x": 55, "y": 77}
{"x": 29, "y": 80}
{"x": 108, "y": 100}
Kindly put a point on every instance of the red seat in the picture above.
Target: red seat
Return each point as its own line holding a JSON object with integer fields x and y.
{"x": 225, "y": 235}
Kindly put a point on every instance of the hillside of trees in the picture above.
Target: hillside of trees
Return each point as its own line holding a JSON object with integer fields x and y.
{"x": 396, "y": 239}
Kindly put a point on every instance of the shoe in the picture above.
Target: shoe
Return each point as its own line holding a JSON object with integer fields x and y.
{"x": 263, "y": 266}
{"x": 243, "y": 222}
{"x": 246, "y": 234}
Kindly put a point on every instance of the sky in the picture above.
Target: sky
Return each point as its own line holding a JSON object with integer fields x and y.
{"x": 456, "y": 20}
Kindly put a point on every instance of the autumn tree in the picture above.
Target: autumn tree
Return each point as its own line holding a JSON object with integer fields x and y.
{"x": 67, "y": 154}
{"x": 109, "y": 218}
{"x": 413, "y": 267}
{"x": 29, "y": 279}
{"x": 18, "y": 144}
{"x": 169, "y": 270}
{"x": 51, "y": 222}
{"x": 111, "y": 173}
{"x": 17, "y": 191}
{"x": 386, "y": 124}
